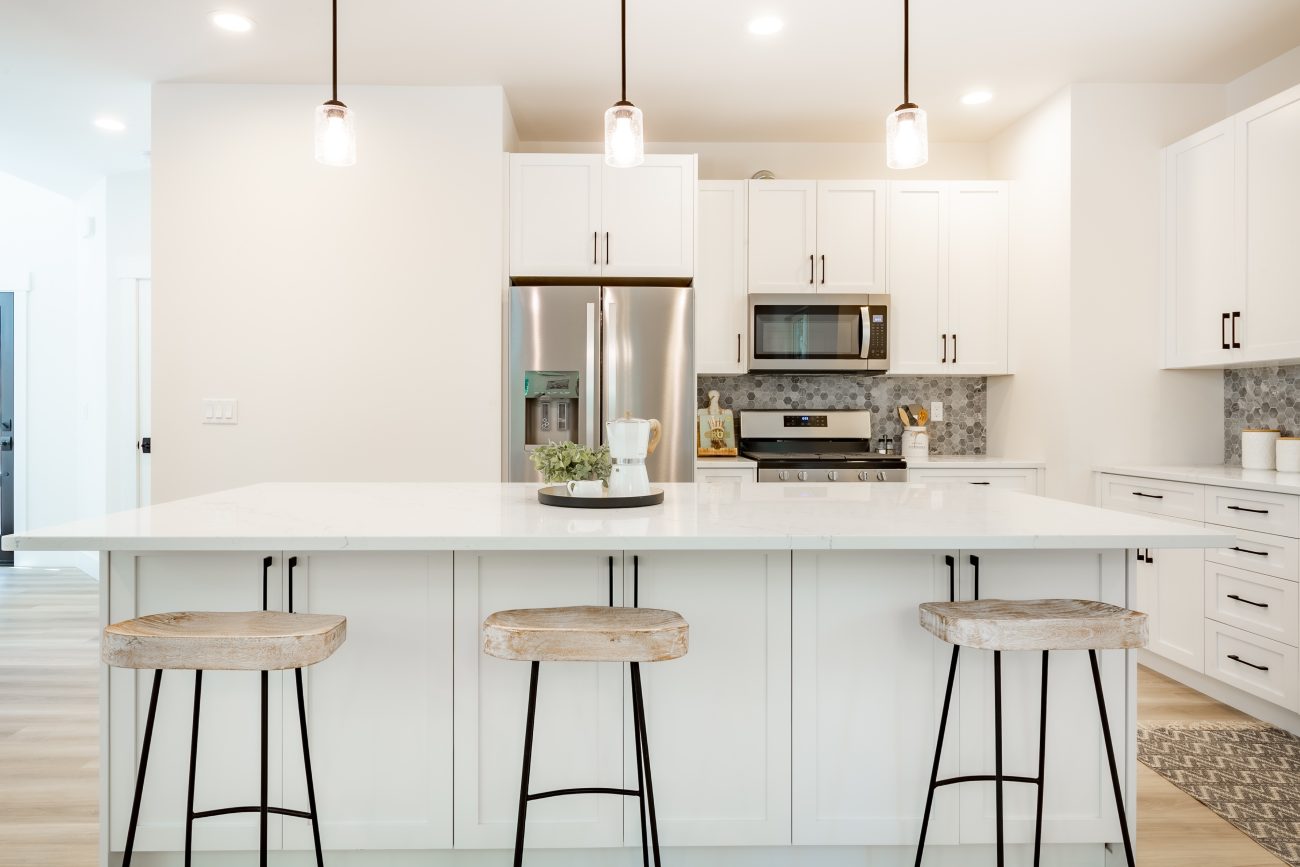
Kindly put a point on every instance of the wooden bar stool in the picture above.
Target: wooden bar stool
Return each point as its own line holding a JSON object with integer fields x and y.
{"x": 262, "y": 641}
{"x": 1040, "y": 624}
{"x": 589, "y": 634}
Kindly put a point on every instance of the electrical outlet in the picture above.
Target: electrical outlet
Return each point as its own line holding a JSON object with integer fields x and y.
{"x": 936, "y": 410}
{"x": 220, "y": 410}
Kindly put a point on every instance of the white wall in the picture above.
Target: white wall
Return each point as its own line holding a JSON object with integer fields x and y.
{"x": 353, "y": 313}
{"x": 809, "y": 160}
{"x": 92, "y": 349}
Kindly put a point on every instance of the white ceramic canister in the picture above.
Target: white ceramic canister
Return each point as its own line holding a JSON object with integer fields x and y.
{"x": 916, "y": 443}
{"x": 1288, "y": 454}
{"x": 1259, "y": 449}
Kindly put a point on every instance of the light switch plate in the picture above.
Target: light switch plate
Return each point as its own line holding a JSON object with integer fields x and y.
{"x": 220, "y": 410}
{"x": 936, "y": 410}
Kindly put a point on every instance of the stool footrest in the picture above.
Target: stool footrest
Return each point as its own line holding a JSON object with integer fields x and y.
{"x": 555, "y": 793}
{"x": 988, "y": 778}
{"x": 226, "y": 811}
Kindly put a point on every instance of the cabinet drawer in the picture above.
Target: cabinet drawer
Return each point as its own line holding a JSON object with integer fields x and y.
{"x": 1260, "y": 604}
{"x": 1253, "y": 510}
{"x": 1153, "y": 496}
{"x": 1258, "y": 552}
{"x": 1006, "y": 479}
{"x": 1253, "y": 664}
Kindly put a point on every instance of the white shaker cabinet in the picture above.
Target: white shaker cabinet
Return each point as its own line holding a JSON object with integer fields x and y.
{"x": 1174, "y": 581}
{"x": 977, "y": 277}
{"x": 648, "y": 214}
{"x": 782, "y": 236}
{"x": 918, "y": 277}
{"x": 851, "y": 236}
{"x": 720, "y": 308}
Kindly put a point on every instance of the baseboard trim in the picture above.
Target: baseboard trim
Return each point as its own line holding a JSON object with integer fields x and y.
{"x": 1222, "y": 692}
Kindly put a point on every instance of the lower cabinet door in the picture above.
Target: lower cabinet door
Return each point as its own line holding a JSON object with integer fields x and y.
{"x": 1178, "y": 632}
{"x": 1259, "y": 666}
{"x": 1078, "y": 804}
{"x": 379, "y": 709}
{"x": 228, "y": 771}
{"x": 868, "y": 690}
{"x": 579, "y": 737}
{"x": 717, "y": 719}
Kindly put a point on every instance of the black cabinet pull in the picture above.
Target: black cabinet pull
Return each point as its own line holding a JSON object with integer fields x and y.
{"x": 1248, "y": 551}
{"x": 1149, "y": 496}
{"x": 954, "y": 349}
{"x": 951, "y": 563}
{"x": 812, "y": 269}
{"x": 1142, "y": 558}
{"x": 1235, "y": 658}
{"x": 944, "y": 360}
{"x": 1223, "y": 332}
{"x": 1244, "y": 509}
{"x": 607, "y": 248}
{"x": 823, "y": 269}
{"x": 738, "y": 349}
{"x": 611, "y": 581}
{"x": 595, "y": 249}
{"x": 975, "y": 561}
{"x": 1235, "y": 317}
{"x": 636, "y": 581}
{"x": 981, "y": 483}
{"x": 1150, "y": 559}
{"x": 293, "y": 564}
{"x": 266, "y": 571}
{"x": 1247, "y": 601}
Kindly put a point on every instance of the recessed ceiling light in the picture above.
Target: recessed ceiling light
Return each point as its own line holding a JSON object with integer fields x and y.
{"x": 976, "y": 97}
{"x": 766, "y": 25}
{"x": 110, "y": 124}
{"x": 232, "y": 21}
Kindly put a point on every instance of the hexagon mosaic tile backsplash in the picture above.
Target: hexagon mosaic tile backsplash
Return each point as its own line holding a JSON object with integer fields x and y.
{"x": 965, "y": 401}
{"x": 1267, "y": 397}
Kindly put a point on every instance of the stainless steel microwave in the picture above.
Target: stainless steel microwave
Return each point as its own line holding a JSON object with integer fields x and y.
{"x": 821, "y": 333}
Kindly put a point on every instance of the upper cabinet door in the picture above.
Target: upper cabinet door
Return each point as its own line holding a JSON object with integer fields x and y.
{"x": 1268, "y": 197}
{"x": 555, "y": 215}
{"x": 918, "y": 277}
{"x": 782, "y": 236}
{"x": 649, "y": 218}
{"x": 977, "y": 277}
{"x": 1201, "y": 279}
{"x": 851, "y": 236}
{"x": 720, "y": 310}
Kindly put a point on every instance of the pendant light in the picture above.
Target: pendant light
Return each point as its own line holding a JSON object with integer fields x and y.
{"x": 906, "y": 142}
{"x": 624, "y": 132}
{"x": 336, "y": 136}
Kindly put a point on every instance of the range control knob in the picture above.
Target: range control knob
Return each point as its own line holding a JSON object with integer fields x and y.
{"x": 880, "y": 476}
{"x": 803, "y": 475}
{"x": 832, "y": 476}
{"x": 783, "y": 475}
{"x": 864, "y": 476}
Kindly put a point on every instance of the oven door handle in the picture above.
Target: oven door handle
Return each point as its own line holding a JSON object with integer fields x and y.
{"x": 864, "y": 336}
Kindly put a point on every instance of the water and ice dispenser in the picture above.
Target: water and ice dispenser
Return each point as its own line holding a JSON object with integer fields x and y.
{"x": 550, "y": 407}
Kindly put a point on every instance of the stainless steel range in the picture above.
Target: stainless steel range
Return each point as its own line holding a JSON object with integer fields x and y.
{"x": 819, "y": 446}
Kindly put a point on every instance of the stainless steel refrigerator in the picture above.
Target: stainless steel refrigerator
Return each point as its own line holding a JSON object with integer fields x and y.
{"x": 582, "y": 354}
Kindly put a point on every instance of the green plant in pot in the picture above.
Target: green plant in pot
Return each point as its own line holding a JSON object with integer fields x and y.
{"x": 570, "y": 462}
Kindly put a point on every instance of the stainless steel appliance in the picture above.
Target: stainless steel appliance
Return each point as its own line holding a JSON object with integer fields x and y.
{"x": 815, "y": 446}
{"x": 819, "y": 333}
{"x": 582, "y": 354}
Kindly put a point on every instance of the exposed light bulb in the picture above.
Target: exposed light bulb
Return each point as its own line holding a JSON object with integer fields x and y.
{"x": 906, "y": 139}
{"x": 624, "y": 136}
{"x": 336, "y": 136}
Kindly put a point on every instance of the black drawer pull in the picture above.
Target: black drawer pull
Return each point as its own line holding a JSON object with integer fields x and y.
{"x": 981, "y": 483}
{"x": 1244, "y": 509}
{"x": 1247, "y": 601}
{"x": 1248, "y": 551}
{"x": 1149, "y": 496}
{"x": 1235, "y": 658}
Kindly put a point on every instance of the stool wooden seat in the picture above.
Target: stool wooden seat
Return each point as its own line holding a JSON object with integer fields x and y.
{"x": 223, "y": 640}
{"x": 586, "y": 633}
{"x": 1035, "y": 624}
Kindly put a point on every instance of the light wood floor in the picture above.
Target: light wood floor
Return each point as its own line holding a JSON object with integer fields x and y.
{"x": 49, "y": 739}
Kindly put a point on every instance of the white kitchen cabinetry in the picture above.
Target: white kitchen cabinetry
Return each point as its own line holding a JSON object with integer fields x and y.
{"x": 398, "y": 658}
{"x": 579, "y": 737}
{"x": 1176, "y": 595}
{"x": 948, "y": 277}
{"x": 1026, "y": 479}
{"x": 573, "y": 216}
{"x": 718, "y": 719}
{"x": 816, "y": 236}
{"x": 720, "y": 308}
{"x": 725, "y": 476}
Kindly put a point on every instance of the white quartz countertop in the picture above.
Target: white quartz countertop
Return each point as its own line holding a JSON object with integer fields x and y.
{"x": 972, "y": 462}
{"x": 420, "y": 516}
{"x": 724, "y": 462}
{"x": 1215, "y": 474}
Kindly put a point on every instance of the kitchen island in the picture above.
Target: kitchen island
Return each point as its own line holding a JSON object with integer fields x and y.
{"x": 804, "y": 715}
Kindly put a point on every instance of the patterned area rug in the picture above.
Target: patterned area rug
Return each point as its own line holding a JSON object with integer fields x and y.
{"x": 1248, "y": 773}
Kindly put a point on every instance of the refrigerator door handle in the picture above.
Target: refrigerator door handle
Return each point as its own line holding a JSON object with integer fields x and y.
{"x": 591, "y": 409}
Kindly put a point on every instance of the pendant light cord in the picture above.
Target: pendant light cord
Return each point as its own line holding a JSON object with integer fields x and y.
{"x": 623, "y": 20}
{"x": 906, "y": 49}
{"x": 335, "y": 52}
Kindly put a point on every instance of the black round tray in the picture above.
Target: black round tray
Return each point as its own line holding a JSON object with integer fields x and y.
{"x": 558, "y": 495}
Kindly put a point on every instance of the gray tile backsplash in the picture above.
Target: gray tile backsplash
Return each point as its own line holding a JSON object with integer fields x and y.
{"x": 965, "y": 401}
{"x": 1259, "y": 397}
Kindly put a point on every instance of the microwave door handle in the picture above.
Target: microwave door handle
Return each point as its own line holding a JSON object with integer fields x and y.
{"x": 865, "y": 337}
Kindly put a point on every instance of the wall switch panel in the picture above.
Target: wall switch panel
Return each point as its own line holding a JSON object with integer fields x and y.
{"x": 220, "y": 410}
{"x": 936, "y": 410}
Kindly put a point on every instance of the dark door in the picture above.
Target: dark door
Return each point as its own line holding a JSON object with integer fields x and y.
{"x": 6, "y": 421}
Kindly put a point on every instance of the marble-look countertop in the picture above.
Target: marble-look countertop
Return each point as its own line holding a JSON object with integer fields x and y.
{"x": 428, "y": 516}
{"x": 730, "y": 462}
{"x": 973, "y": 462}
{"x": 1215, "y": 474}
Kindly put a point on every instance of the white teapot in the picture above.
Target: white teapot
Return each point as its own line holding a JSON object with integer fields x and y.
{"x": 630, "y": 441}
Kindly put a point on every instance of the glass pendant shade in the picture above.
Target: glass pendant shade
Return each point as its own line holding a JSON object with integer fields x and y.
{"x": 906, "y": 141}
{"x": 624, "y": 136}
{"x": 336, "y": 136}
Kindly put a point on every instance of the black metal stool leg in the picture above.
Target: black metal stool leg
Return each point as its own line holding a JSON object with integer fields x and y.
{"x": 306, "y": 761}
{"x": 265, "y": 771}
{"x": 938, "y": 754}
{"x": 528, "y": 763}
{"x": 640, "y": 774}
{"x": 645, "y": 754}
{"x": 1110, "y": 758}
{"x": 997, "y": 752}
{"x": 1042, "y": 763}
{"x": 194, "y": 760}
{"x": 144, "y": 764}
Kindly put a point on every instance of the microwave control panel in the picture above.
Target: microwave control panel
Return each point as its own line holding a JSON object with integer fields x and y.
{"x": 879, "y": 347}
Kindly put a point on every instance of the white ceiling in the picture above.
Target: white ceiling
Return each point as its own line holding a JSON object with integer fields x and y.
{"x": 831, "y": 75}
